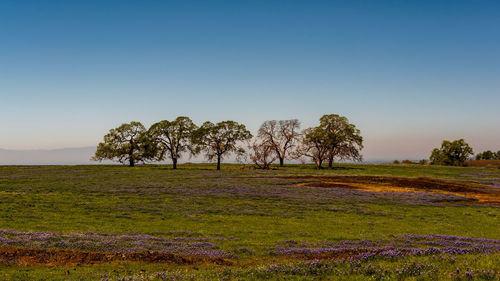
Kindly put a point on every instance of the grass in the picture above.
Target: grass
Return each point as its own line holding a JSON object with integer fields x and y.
{"x": 255, "y": 210}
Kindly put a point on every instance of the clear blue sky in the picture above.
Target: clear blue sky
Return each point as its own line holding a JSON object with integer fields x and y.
{"x": 407, "y": 73}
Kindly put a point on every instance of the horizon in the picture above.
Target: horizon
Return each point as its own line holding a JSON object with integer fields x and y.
{"x": 82, "y": 155}
{"x": 408, "y": 75}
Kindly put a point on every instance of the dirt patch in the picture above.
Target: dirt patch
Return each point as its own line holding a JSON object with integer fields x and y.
{"x": 492, "y": 164}
{"x": 60, "y": 257}
{"x": 484, "y": 194}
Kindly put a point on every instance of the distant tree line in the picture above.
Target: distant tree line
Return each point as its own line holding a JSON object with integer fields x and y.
{"x": 334, "y": 138}
{"x": 488, "y": 155}
{"x": 410, "y": 162}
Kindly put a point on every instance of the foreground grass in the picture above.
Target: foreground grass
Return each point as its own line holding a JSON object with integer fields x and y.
{"x": 255, "y": 209}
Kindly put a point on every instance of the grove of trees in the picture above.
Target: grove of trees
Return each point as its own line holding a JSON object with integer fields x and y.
{"x": 276, "y": 140}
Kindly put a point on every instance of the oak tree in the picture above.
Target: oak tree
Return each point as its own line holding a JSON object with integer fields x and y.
{"x": 314, "y": 145}
{"x": 280, "y": 135}
{"x": 172, "y": 138}
{"x": 344, "y": 139}
{"x": 127, "y": 143}
{"x": 451, "y": 153}
{"x": 262, "y": 154}
{"x": 334, "y": 138}
{"x": 218, "y": 140}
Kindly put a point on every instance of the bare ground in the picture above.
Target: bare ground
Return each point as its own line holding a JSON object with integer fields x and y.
{"x": 483, "y": 193}
{"x": 63, "y": 257}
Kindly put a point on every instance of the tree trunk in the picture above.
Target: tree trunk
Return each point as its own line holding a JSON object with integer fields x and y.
{"x": 318, "y": 164}
{"x": 218, "y": 162}
{"x": 330, "y": 162}
{"x": 174, "y": 163}
{"x": 131, "y": 154}
{"x": 282, "y": 160}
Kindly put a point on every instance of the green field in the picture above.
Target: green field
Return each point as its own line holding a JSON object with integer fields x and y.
{"x": 245, "y": 213}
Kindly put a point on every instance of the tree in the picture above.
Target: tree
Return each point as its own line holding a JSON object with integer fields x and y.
{"x": 281, "y": 136}
{"x": 262, "y": 154}
{"x": 127, "y": 143}
{"x": 314, "y": 145}
{"x": 451, "y": 153}
{"x": 172, "y": 138}
{"x": 344, "y": 139}
{"x": 334, "y": 138}
{"x": 216, "y": 140}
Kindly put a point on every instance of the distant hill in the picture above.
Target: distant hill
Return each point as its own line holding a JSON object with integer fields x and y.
{"x": 65, "y": 156}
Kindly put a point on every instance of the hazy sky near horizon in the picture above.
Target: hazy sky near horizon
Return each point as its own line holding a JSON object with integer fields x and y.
{"x": 408, "y": 73}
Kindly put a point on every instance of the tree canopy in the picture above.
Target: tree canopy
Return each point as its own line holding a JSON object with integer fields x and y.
{"x": 217, "y": 140}
{"x": 127, "y": 143}
{"x": 334, "y": 138}
{"x": 451, "y": 153}
{"x": 314, "y": 145}
{"x": 172, "y": 138}
{"x": 262, "y": 154}
{"x": 279, "y": 136}
{"x": 344, "y": 139}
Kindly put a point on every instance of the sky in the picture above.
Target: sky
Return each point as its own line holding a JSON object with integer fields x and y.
{"x": 408, "y": 74}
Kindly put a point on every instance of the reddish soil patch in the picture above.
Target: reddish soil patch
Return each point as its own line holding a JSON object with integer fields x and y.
{"x": 60, "y": 257}
{"x": 418, "y": 183}
{"x": 484, "y": 194}
{"x": 492, "y": 164}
